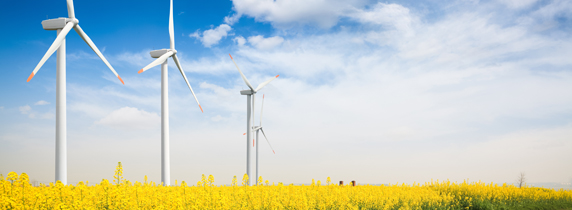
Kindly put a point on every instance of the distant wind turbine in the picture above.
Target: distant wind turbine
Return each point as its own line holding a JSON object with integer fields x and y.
{"x": 63, "y": 26}
{"x": 249, "y": 93}
{"x": 259, "y": 128}
{"x": 162, "y": 55}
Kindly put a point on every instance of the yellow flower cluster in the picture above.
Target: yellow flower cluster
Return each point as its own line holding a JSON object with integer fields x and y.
{"x": 17, "y": 193}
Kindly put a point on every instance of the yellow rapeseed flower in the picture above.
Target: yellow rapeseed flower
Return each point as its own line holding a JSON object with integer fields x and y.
{"x": 17, "y": 193}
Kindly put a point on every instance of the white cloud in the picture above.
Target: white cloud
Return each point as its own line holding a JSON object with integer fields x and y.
{"x": 521, "y": 150}
{"x": 212, "y": 36}
{"x": 1, "y": 108}
{"x": 42, "y": 102}
{"x": 393, "y": 15}
{"x": 47, "y": 115}
{"x": 90, "y": 109}
{"x": 454, "y": 83}
{"x": 286, "y": 13}
{"x": 518, "y": 4}
{"x": 209, "y": 65}
{"x": 265, "y": 43}
{"x": 231, "y": 20}
{"x": 130, "y": 118}
{"x": 25, "y": 109}
{"x": 82, "y": 55}
{"x": 216, "y": 118}
{"x": 222, "y": 99}
{"x": 546, "y": 17}
{"x": 140, "y": 59}
{"x": 325, "y": 14}
{"x": 240, "y": 41}
{"x": 195, "y": 34}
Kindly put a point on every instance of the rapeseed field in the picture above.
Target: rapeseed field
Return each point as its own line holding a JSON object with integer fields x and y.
{"x": 16, "y": 192}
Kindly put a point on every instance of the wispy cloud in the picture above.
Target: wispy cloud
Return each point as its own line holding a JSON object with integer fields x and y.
{"x": 42, "y": 102}
{"x": 262, "y": 43}
{"x": 140, "y": 59}
{"x": 231, "y": 20}
{"x": 393, "y": 15}
{"x": 218, "y": 65}
{"x": 27, "y": 110}
{"x": 518, "y": 4}
{"x": 130, "y": 118}
{"x": 82, "y": 55}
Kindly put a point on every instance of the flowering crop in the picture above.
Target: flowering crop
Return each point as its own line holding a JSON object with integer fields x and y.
{"x": 17, "y": 193}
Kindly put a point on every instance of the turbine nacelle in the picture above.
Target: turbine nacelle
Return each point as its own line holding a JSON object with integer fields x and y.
{"x": 247, "y": 92}
{"x": 58, "y": 23}
{"x": 159, "y": 53}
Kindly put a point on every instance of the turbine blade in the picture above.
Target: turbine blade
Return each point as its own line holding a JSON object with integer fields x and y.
{"x": 71, "y": 13}
{"x": 87, "y": 40}
{"x": 156, "y": 62}
{"x": 241, "y": 74}
{"x": 171, "y": 27}
{"x": 265, "y": 83}
{"x": 187, "y": 81}
{"x": 267, "y": 140}
{"x": 253, "y": 103}
{"x": 55, "y": 45}
{"x": 261, "y": 108}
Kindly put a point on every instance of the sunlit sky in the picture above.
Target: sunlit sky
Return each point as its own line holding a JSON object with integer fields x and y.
{"x": 372, "y": 91}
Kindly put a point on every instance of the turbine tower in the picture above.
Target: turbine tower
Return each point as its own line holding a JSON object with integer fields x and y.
{"x": 250, "y": 99}
{"x": 257, "y": 129}
{"x": 63, "y": 27}
{"x": 162, "y": 55}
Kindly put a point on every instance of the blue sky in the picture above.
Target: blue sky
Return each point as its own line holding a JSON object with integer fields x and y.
{"x": 373, "y": 91}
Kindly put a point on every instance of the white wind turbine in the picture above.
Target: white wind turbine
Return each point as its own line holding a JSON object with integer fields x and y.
{"x": 249, "y": 93}
{"x": 259, "y": 128}
{"x": 162, "y": 56}
{"x": 63, "y": 26}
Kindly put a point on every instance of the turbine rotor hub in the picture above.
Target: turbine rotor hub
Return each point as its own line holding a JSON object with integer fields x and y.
{"x": 73, "y": 20}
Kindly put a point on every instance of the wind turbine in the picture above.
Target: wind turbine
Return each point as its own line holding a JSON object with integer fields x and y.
{"x": 259, "y": 128}
{"x": 162, "y": 55}
{"x": 249, "y": 94}
{"x": 63, "y": 26}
